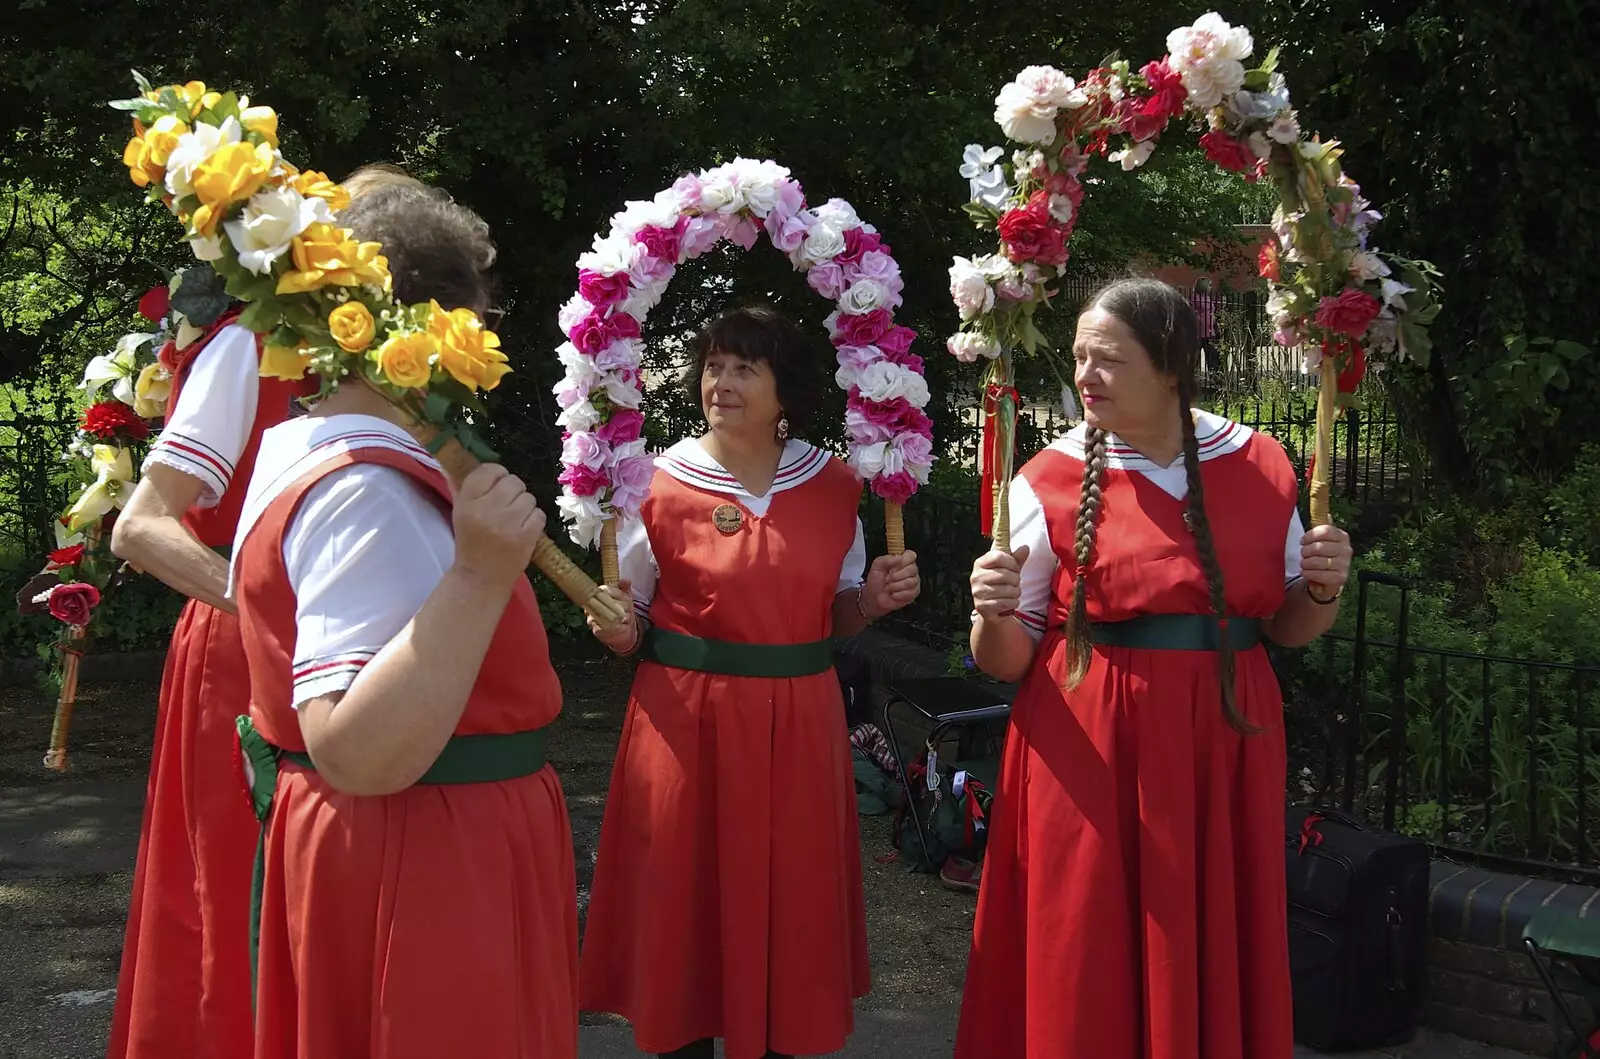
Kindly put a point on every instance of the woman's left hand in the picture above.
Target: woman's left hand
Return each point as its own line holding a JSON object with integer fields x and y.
{"x": 1325, "y": 560}
{"x": 892, "y": 583}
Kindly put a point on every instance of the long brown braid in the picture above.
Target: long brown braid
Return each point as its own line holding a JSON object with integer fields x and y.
{"x": 1080, "y": 647}
{"x": 1166, "y": 327}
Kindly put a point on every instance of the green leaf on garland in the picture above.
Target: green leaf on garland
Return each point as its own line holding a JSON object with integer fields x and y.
{"x": 436, "y": 408}
{"x": 201, "y": 295}
{"x": 476, "y": 445}
{"x": 261, "y": 317}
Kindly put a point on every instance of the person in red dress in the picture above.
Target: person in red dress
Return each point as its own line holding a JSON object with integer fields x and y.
{"x": 1133, "y": 900}
{"x": 184, "y": 984}
{"x": 416, "y": 886}
{"x": 727, "y": 893}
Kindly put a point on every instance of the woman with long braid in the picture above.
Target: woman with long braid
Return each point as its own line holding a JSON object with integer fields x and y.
{"x": 1133, "y": 900}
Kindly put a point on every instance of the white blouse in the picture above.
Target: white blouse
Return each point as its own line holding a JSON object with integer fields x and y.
{"x": 206, "y": 434}
{"x": 1216, "y": 437}
{"x": 689, "y": 463}
{"x": 367, "y": 546}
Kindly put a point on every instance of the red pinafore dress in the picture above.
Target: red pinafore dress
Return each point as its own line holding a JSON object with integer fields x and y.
{"x": 1133, "y": 899}
{"x": 437, "y": 921}
{"x": 184, "y": 986}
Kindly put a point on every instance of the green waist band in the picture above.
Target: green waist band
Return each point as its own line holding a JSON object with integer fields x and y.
{"x": 1176, "y": 632}
{"x": 475, "y": 758}
{"x": 224, "y": 550}
{"x": 737, "y": 659}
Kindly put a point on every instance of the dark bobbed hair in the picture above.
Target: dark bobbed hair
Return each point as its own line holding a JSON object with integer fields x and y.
{"x": 436, "y": 247}
{"x": 762, "y": 335}
{"x": 1163, "y": 321}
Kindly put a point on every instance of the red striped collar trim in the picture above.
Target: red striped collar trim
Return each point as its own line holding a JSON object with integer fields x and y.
{"x": 692, "y": 465}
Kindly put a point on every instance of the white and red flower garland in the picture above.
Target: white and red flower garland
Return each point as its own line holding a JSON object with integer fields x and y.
{"x": 1332, "y": 294}
{"x": 606, "y": 470}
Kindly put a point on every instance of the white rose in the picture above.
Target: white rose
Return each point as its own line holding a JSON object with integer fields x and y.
{"x": 967, "y": 347}
{"x": 870, "y": 461}
{"x": 1259, "y": 145}
{"x": 994, "y": 266}
{"x": 1131, "y": 158}
{"x": 269, "y": 221}
{"x": 823, "y": 243}
{"x": 642, "y": 299}
{"x": 1280, "y": 301}
{"x": 581, "y": 416}
{"x": 758, "y": 183}
{"x": 623, "y": 393}
{"x": 1394, "y": 293}
{"x": 1366, "y": 265}
{"x": 193, "y": 148}
{"x": 838, "y": 214}
{"x": 885, "y": 381}
{"x": 1026, "y": 108}
{"x": 970, "y": 290}
{"x": 610, "y": 255}
{"x": 585, "y": 515}
{"x": 661, "y": 212}
{"x": 206, "y": 247}
{"x": 720, "y": 192}
{"x": 1207, "y": 55}
{"x": 580, "y": 368}
{"x": 575, "y": 309}
{"x": 864, "y": 296}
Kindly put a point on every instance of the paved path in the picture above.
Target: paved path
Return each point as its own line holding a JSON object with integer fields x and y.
{"x": 66, "y": 861}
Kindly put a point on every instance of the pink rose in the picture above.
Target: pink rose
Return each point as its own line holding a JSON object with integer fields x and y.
{"x": 583, "y": 449}
{"x": 73, "y": 603}
{"x": 827, "y": 279}
{"x": 584, "y": 481}
{"x": 625, "y": 425}
{"x": 873, "y": 421}
{"x": 687, "y": 188}
{"x": 907, "y": 360}
{"x": 791, "y": 199}
{"x": 568, "y": 393}
{"x": 896, "y": 488}
{"x": 858, "y": 241}
{"x": 896, "y": 341}
{"x": 858, "y": 357}
{"x": 701, "y": 234}
{"x": 631, "y": 483}
{"x": 589, "y": 334}
{"x": 745, "y": 233}
{"x": 1351, "y": 313}
{"x": 622, "y": 355}
{"x": 787, "y": 230}
{"x": 664, "y": 244}
{"x": 916, "y": 448}
{"x": 879, "y": 267}
{"x": 1230, "y": 154}
{"x": 601, "y": 291}
{"x": 862, "y": 330}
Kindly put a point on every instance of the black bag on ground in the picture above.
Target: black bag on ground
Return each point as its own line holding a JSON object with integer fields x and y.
{"x": 1357, "y": 916}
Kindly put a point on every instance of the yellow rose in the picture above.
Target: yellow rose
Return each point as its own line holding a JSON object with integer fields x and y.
{"x": 143, "y": 172}
{"x": 352, "y": 326}
{"x": 162, "y": 137}
{"x": 232, "y": 174}
{"x": 325, "y": 255}
{"x": 405, "y": 360}
{"x": 151, "y": 390}
{"x": 313, "y": 184}
{"x": 467, "y": 350}
{"x": 284, "y": 362}
{"x": 263, "y": 120}
{"x": 193, "y": 93}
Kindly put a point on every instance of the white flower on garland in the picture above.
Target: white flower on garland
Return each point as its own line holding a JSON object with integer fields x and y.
{"x": 1026, "y": 108}
{"x": 119, "y": 368}
{"x": 269, "y": 222}
{"x": 586, "y": 516}
{"x": 581, "y": 416}
{"x": 865, "y": 295}
{"x": 193, "y": 148}
{"x": 967, "y": 347}
{"x": 985, "y": 178}
{"x": 886, "y": 381}
{"x": 206, "y": 247}
{"x": 969, "y": 289}
{"x": 1209, "y": 57}
{"x": 824, "y": 242}
{"x": 1367, "y": 265}
{"x": 610, "y": 255}
{"x": 660, "y": 212}
{"x": 1131, "y": 158}
{"x": 1286, "y": 129}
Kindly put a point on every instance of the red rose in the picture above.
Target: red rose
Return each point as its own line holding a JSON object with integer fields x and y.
{"x": 1166, "y": 87}
{"x": 1139, "y": 119}
{"x": 111, "y": 420}
{"x": 1268, "y": 263}
{"x": 1351, "y": 313}
{"x": 155, "y": 303}
{"x": 1229, "y": 153}
{"x": 1031, "y": 234}
{"x": 73, "y": 603}
{"x": 70, "y": 556}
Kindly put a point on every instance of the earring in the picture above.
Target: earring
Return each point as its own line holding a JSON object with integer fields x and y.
{"x": 783, "y": 428}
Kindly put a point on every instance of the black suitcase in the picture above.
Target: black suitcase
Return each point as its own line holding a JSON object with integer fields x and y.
{"x": 1358, "y": 904}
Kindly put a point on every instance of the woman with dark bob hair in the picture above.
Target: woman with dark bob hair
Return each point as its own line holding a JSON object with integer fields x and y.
{"x": 1133, "y": 899}
{"x": 727, "y": 895}
{"x": 416, "y": 887}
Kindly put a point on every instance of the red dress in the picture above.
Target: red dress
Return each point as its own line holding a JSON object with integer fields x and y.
{"x": 1133, "y": 903}
{"x": 727, "y": 894}
{"x": 437, "y": 921}
{"x": 184, "y": 986}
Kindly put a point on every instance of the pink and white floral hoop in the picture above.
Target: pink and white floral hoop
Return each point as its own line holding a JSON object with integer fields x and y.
{"x": 606, "y": 471}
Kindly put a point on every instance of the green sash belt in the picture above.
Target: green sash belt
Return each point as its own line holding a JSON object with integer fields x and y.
{"x": 465, "y": 759}
{"x": 224, "y": 550}
{"x": 1176, "y": 632}
{"x": 737, "y": 659}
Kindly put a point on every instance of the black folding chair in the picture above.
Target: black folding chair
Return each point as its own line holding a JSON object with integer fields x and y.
{"x": 1565, "y": 950}
{"x": 943, "y": 703}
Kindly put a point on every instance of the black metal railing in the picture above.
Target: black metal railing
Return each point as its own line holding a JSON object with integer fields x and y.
{"x": 36, "y": 485}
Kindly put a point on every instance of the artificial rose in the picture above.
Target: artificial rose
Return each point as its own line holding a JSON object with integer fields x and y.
{"x": 1207, "y": 56}
{"x": 469, "y": 351}
{"x": 232, "y": 174}
{"x": 1167, "y": 94}
{"x": 1268, "y": 263}
{"x": 151, "y": 390}
{"x": 623, "y": 390}
{"x": 71, "y": 555}
{"x": 896, "y": 342}
{"x": 624, "y": 425}
{"x": 575, "y": 309}
{"x": 827, "y": 279}
{"x": 823, "y": 243}
{"x": 865, "y": 296}
{"x": 970, "y": 290}
{"x": 1026, "y": 108}
{"x": 634, "y": 217}
{"x": 886, "y": 381}
{"x": 917, "y": 452}
{"x": 630, "y": 482}
{"x": 406, "y": 360}
{"x": 584, "y": 481}
{"x": 876, "y": 458}
{"x": 1228, "y": 152}
{"x": 193, "y": 149}
{"x": 967, "y": 347}
{"x": 859, "y": 241}
{"x": 880, "y": 421}
{"x": 206, "y": 247}
{"x": 263, "y": 121}
{"x": 596, "y": 331}
{"x": 600, "y": 290}
{"x": 851, "y": 330}
{"x": 1351, "y": 313}
{"x": 620, "y": 355}
{"x": 878, "y": 266}
{"x": 315, "y": 185}
{"x": 74, "y": 603}
{"x": 579, "y": 416}
{"x": 895, "y": 488}
{"x": 788, "y": 230}
{"x": 325, "y": 255}
{"x": 141, "y": 170}
{"x": 610, "y": 256}
{"x": 268, "y": 224}
{"x": 352, "y": 326}
{"x": 745, "y": 232}
{"x": 155, "y": 304}
{"x": 161, "y": 139}
{"x": 663, "y": 243}
{"x": 1030, "y": 234}
{"x": 288, "y": 363}
{"x": 701, "y": 234}
{"x": 113, "y": 420}
{"x": 583, "y": 449}
{"x": 584, "y": 513}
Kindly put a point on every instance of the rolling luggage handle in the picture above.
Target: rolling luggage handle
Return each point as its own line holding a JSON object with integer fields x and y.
{"x": 1358, "y": 698}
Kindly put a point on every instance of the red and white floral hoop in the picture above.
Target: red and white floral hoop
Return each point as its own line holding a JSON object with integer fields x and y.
{"x": 605, "y": 469}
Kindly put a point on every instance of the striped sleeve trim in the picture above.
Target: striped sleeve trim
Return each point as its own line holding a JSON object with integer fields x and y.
{"x": 1032, "y": 624}
{"x": 316, "y": 677}
{"x": 194, "y": 458}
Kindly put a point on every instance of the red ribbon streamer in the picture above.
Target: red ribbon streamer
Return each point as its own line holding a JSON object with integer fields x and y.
{"x": 1309, "y": 835}
{"x": 991, "y": 452}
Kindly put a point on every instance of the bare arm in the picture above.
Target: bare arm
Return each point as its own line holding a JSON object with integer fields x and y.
{"x": 382, "y": 734}
{"x": 892, "y": 582}
{"x": 1312, "y": 606}
{"x": 1001, "y": 647}
{"x": 1301, "y": 619}
{"x": 149, "y": 533}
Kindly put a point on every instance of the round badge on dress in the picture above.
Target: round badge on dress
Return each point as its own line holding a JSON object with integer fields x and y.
{"x": 727, "y": 518}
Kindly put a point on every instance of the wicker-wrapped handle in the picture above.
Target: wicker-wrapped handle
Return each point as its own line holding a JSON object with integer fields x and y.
{"x": 894, "y": 528}
{"x": 55, "y": 759}
{"x": 610, "y": 566}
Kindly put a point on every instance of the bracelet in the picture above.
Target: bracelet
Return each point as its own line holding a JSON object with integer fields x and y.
{"x": 1330, "y": 601}
{"x": 861, "y": 607}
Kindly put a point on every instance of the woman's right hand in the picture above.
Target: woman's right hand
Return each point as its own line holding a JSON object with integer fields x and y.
{"x": 622, "y": 637}
{"x": 997, "y": 583}
{"x": 497, "y": 524}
